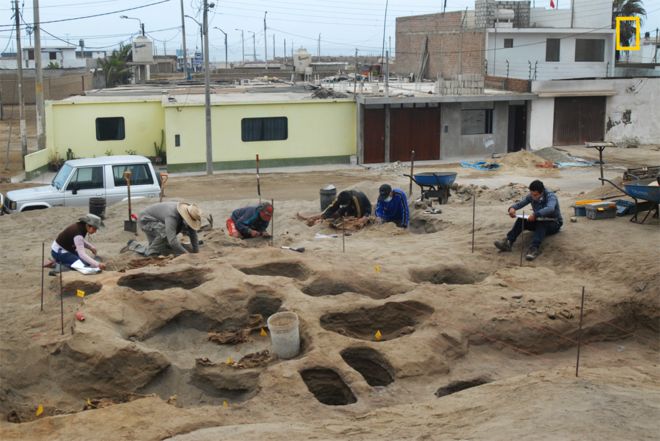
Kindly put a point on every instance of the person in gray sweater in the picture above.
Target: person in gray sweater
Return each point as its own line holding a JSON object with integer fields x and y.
{"x": 162, "y": 222}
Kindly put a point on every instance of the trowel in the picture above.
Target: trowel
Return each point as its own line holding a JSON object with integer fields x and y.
{"x": 297, "y": 249}
{"x": 129, "y": 225}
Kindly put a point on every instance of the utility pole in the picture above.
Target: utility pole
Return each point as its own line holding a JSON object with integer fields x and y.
{"x": 384, "y": 26}
{"x": 185, "y": 51}
{"x": 254, "y": 47}
{"x": 242, "y": 44}
{"x": 207, "y": 91}
{"x": 273, "y": 48}
{"x": 285, "y": 51}
{"x": 265, "y": 41}
{"x": 356, "y": 73}
{"x": 226, "y": 65}
{"x": 39, "y": 80}
{"x": 318, "y": 48}
{"x": 19, "y": 64}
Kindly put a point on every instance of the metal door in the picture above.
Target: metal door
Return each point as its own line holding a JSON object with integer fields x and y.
{"x": 578, "y": 120}
{"x": 374, "y": 135}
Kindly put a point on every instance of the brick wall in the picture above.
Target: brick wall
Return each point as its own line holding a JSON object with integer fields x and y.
{"x": 57, "y": 85}
{"x": 503, "y": 83}
{"x": 453, "y": 50}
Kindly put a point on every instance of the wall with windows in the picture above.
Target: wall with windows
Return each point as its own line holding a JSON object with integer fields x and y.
{"x": 98, "y": 127}
{"x": 530, "y": 53}
{"x": 282, "y": 133}
{"x": 476, "y": 129}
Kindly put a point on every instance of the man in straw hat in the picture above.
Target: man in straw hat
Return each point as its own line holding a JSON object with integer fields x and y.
{"x": 70, "y": 245}
{"x": 162, "y": 222}
{"x": 251, "y": 221}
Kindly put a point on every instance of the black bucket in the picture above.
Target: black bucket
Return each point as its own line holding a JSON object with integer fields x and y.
{"x": 328, "y": 194}
{"x": 97, "y": 207}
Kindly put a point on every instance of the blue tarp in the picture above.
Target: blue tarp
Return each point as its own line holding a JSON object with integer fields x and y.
{"x": 480, "y": 165}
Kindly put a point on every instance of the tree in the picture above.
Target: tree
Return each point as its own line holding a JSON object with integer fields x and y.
{"x": 627, "y": 8}
{"x": 115, "y": 67}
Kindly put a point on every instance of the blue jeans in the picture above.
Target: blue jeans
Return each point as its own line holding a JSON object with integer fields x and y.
{"x": 64, "y": 257}
{"x": 540, "y": 229}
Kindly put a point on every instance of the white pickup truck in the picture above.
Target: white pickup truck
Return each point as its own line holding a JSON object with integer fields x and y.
{"x": 81, "y": 179}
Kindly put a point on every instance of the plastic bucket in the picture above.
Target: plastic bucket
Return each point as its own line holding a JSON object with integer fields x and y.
{"x": 328, "y": 194}
{"x": 284, "y": 334}
{"x": 97, "y": 207}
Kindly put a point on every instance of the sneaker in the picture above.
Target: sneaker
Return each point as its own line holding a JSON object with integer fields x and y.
{"x": 503, "y": 245}
{"x": 532, "y": 253}
{"x": 127, "y": 247}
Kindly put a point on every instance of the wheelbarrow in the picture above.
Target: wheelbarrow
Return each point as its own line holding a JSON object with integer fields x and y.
{"x": 646, "y": 197}
{"x": 434, "y": 184}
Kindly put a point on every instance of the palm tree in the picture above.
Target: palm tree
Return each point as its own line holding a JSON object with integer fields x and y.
{"x": 627, "y": 8}
{"x": 115, "y": 68}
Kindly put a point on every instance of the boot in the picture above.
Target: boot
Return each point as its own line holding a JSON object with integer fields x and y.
{"x": 532, "y": 253}
{"x": 503, "y": 245}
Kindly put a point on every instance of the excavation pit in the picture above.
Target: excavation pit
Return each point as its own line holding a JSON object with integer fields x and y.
{"x": 392, "y": 320}
{"x": 263, "y": 304}
{"x": 457, "y": 386}
{"x": 327, "y": 286}
{"x": 185, "y": 279}
{"x": 328, "y": 387}
{"x": 427, "y": 225}
{"x": 370, "y": 364}
{"x": 292, "y": 270}
{"x": 447, "y": 274}
{"x": 72, "y": 288}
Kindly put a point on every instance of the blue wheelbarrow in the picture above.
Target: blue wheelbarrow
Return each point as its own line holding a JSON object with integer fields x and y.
{"x": 434, "y": 184}
{"x": 646, "y": 197}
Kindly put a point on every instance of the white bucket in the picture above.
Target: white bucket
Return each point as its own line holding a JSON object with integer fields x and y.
{"x": 284, "y": 334}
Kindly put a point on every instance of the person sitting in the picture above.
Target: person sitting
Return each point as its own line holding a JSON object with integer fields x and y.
{"x": 545, "y": 219}
{"x": 162, "y": 222}
{"x": 392, "y": 206}
{"x": 349, "y": 203}
{"x": 250, "y": 221}
{"x": 70, "y": 245}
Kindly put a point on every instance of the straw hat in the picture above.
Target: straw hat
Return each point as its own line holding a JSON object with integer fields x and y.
{"x": 191, "y": 214}
{"x": 92, "y": 220}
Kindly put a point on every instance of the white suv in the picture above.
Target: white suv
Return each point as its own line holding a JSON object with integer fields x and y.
{"x": 81, "y": 179}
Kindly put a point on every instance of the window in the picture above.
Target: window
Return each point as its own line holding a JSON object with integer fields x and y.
{"x": 177, "y": 140}
{"x": 52, "y": 55}
{"x": 476, "y": 121}
{"x": 140, "y": 174}
{"x": 86, "y": 178}
{"x": 552, "y": 49}
{"x": 110, "y": 129}
{"x": 508, "y": 42}
{"x": 264, "y": 129}
{"x": 589, "y": 50}
{"x": 30, "y": 54}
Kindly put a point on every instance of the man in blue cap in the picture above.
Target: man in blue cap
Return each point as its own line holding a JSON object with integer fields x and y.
{"x": 392, "y": 206}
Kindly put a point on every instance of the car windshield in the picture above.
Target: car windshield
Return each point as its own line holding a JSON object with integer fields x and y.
{"x": 61, "y": 176}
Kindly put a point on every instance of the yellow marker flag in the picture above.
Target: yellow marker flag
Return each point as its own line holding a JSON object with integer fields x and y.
{"x": 40, "y": 410}
{"x": 89, "y": 402}
{"x": 80, "y": 293}
{"x": 263, "y": 333}
{"x": 378, "y": 336}
{"x": 225, "y": 403}
{"x": 377, "y": 268}
{"x": 230, "y": 360}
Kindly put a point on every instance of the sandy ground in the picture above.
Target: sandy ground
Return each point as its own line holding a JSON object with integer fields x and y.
{"x": 474, "y": 345}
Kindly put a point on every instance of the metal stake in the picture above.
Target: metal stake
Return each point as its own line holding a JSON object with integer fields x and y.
{"x": 522, "y": 238}
{"x": 474, "y": 208}
{"x": 61, "y": 299}
{"x": 272, "y": 223}
{"x": 412, "y": 169}
{"x": 42, "y": 274}
{"x": 577, "y": 362}
{"x": 343, "y": 236}
{"x": 258, "y": 183}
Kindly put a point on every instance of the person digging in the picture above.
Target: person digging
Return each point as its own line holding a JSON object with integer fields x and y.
{"x": 162, "y": 223}
{"x": 351, "y": 208}
{"x": 250, "y": 221}
{"x": 545, "y": 219}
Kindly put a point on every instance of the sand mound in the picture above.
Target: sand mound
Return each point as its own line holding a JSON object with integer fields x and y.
{"x": 521, "y": 159}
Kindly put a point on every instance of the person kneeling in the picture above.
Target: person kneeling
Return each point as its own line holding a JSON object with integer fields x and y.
{"x": 545, "y": 219}
{"x": 251, "y": 221}
{"x": 392, "y": 206}
{"x": 70, "y": 245}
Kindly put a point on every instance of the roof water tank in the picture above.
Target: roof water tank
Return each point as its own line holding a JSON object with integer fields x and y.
{"x": 301, "y": 60}
{"x": 143, "y": 51}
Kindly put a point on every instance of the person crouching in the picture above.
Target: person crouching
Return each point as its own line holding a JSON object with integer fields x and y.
{"x": 250, "y": 221}
{"x": 70, "y": 245}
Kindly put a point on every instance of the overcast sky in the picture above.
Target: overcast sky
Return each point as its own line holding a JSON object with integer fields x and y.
{"x": 344, "y": 25}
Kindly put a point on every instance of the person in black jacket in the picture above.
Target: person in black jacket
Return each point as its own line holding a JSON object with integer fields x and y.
{"x": 348, "y": 203}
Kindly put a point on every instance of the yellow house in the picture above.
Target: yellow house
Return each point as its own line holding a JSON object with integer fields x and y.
{"x": 283, "y": 128}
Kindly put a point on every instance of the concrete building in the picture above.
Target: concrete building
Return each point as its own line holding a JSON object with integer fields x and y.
{"x": 64, "y": 57}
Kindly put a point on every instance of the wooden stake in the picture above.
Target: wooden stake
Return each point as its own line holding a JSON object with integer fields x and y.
{"x": 474, "y": 208}
{"x": 343, "y": 236}
{"x": 61, "y": 299}
{"x": 577, "y": 362}
{"x": 522, "y": 239}
{"x": 43, "y": 257}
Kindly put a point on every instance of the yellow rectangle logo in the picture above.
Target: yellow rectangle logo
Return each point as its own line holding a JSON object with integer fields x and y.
{"x": 619, "y": 47}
